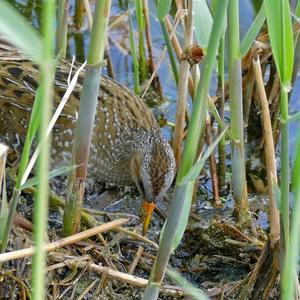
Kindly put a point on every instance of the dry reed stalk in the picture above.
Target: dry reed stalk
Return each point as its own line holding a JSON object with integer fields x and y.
{"x": 178, "y": 52}
{"x": 63, "y": 242}
{"x": 212, "y": 164}
{"x": 269, "y": 150}
{"x": 182, "y": 92}
{"x": 150, "y": 48}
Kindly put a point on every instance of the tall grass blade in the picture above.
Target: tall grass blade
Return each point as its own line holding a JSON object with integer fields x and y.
{"x": 204, "y": 22}
{"x": 16, "y": 29}
{"x": 141, "y": 28}
{"x": 163, "y": 8}
{"x": 290, "y": 270}
{"x": 170, "y": 50}
{"x": 62, "y": 28}
{"x": 253, "y": 31}
{"x": 134, "y": 57}
{"x": 281, "y": 37}
{"x": 54, "y": 173}
{"x": 194, "y": 292}
{"x": 41, "y": 201}
{"x": 185, "y": 191}
{"x": 3, "y": 197}
{"x": 195, "y": 170}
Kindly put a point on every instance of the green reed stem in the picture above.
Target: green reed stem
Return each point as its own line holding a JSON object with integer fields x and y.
{"x": 284, "y": 169}
{"x": 198, "y": 117}
{"x": 62, "y": 28}
{"x": 289, "y": 275}
{"x": 281, "y": 37}
{"x": 170, "y": 50}
{"x": 141, "y": 28}
{"x": 183, "y": 194}
{"x": 221, "y": 88}
{"x": 134, "y": 58}
{"x": 239, "y": 183}
{"x": 79, "y": 13}
{"x": 86, "y": 117}
{"x": 41, "y": 200}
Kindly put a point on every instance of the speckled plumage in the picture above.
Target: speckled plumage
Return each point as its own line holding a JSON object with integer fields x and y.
{"x": 127, "y": 145}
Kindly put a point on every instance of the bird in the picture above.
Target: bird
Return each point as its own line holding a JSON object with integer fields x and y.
{"x": 127, "y": 148}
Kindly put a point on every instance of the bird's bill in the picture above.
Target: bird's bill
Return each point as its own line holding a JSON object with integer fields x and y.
{"x": 148, "y": 211}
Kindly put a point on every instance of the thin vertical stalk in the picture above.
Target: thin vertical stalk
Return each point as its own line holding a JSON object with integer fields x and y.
{"x": 269, "y": 152}
{"x": 182, "y": 93}
{"x": 41, "y": 201}
{"x": 170, "y": 50}
{"x": 4, "y": 212}
{"x": 221, "y": 87}
{"x": 87, "y": 110}
{"x": 290, "y": 269}
{"x": 134, "y": 57}
{"x": 141, "y": 27}
{"x": 150, "y": 48}
{"x": 178, "y": 51}
{"x": 79, "y": 13}
{"x": 285, "y": 168}
{"x": 62, "y": 28}
{"x": 239, "y": 184}
{"x": 212, "y": 164}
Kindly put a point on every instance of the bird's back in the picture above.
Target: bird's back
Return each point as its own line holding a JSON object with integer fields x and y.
{"x": 123, "y": 123}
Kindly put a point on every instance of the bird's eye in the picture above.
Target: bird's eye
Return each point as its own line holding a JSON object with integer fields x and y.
{"x": 141, "y": 188}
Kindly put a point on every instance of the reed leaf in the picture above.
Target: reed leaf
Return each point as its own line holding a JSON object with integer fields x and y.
{"x": 54, "y": 173}
{"x": 185, "y": 191}
{"x": 195, "y": 170}
{"x": 204, "y": 22}
{"x": 134, "y": 57}
{"x": 281, "y": 38}
{"x": 16, "y": 29}
{"x": 62, "y": 28}
{"x": 4, "y": 211}
{"x": 163, "y": 8}
{"x": 170, "y": 50}
{"x": 47, "y": 68}
{"x": 190, "y": 289}
{"x": 290, "y": 269}
{"x": 253, "y": 31}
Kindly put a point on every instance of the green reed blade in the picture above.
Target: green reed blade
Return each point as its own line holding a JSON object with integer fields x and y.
{"x": 19, "y": 32}
{"x": 163, "y": 8}
{"x": 204, "y": 22}
{"x": 253, "y": 31}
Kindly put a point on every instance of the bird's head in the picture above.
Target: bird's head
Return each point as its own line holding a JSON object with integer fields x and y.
{"x": 153, "y": 171}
